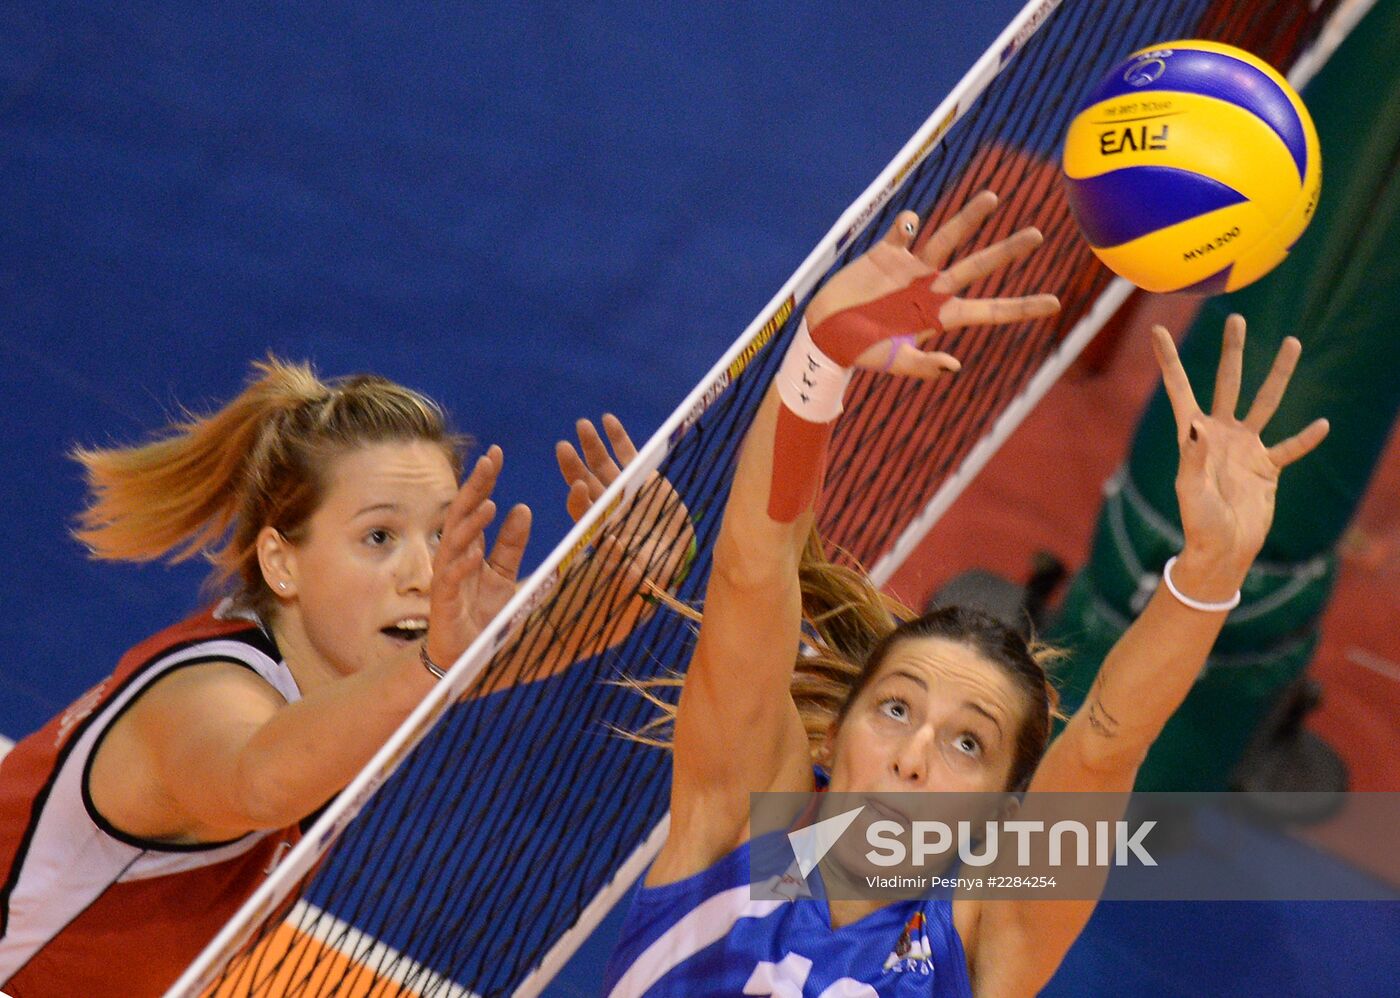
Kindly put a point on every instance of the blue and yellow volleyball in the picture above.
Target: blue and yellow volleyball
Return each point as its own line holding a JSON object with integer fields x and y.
{"x": 1193, "y": 166}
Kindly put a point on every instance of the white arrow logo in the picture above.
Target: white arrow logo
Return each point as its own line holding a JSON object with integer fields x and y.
{"x": 812, "y": 843}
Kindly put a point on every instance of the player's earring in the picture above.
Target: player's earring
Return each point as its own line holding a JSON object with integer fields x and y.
{"x": 282, "y": 586}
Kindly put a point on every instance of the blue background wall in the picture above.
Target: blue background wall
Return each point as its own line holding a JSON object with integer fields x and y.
{"x": 531, "y": 212}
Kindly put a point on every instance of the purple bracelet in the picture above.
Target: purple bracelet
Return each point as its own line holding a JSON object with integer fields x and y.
{"x": 895, "y": 343}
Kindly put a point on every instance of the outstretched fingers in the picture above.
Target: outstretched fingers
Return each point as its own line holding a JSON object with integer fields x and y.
{"x": 479, "y": 484}
{"x": 590, "y": 475}
{"x": 1266, "y": 403}
{"x": 957, "y": 230}
{"x": 468, "y": 515}
{"x": 958, "y": 312}
{"x": 578, "y": 500}
{"x": 571, "y": 466}
{"x": 901, "y": 234}
{"x": 584, "y": 486}
{"x": 1285, "y": 452}
{"x": 1175, "y": 381}
{"x": 595, "y": 452}
{"x": 622, "y": 445}
{"x": 509, "y": 549}
{"x": 987, "y": 261}
{"x": 1227, "y": 375}
{"x": 912, "y": 362}
{"x": 460, "y": 550}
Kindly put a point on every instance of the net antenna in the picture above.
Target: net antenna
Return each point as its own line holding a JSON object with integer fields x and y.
{"x": 488, "y": 838}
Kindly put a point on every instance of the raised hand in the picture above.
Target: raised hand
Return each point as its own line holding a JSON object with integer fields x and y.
{"x": 895, "y": 297}
{"x": 1227, "y": 478}
{"x": 649, "y": 545}
{"x": 588, "y": 477}
{"x": 469, "y": 588}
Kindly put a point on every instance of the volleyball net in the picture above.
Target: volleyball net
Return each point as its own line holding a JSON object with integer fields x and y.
{"x": 495, "y": 830}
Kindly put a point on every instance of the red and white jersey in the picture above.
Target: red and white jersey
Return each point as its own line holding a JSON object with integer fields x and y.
{"x": 84, "y": 908}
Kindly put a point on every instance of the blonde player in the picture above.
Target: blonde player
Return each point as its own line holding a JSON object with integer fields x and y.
{"x": 133, "y": 825}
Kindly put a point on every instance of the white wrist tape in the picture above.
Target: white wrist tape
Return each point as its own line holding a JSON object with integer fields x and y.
{"x": 810, "y": 383}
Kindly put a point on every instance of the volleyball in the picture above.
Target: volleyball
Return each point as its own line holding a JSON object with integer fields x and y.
{"x": 1192, "y": 166}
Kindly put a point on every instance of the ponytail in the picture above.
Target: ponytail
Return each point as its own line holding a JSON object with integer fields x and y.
{"x": 179, "y": 494}
{"x": 209, "y": 484}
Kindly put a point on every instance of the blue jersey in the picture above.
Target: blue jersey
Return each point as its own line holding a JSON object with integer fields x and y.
{"x": 708, "y": 935}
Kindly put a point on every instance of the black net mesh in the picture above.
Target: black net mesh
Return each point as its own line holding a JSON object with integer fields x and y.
{"x": 518, "y": 806}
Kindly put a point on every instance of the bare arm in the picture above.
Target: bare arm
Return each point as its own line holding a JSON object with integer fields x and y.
{"x": 1225, "y": 487}
{"x": 210, "y": 752}
{"x": 737, "y": 729}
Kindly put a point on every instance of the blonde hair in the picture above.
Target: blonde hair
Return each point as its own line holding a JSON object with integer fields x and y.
{"x": 849, "y": 627}
{"x": 209, "y": 484}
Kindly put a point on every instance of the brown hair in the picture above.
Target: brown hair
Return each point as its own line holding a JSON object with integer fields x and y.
{"x": 209, "y": 484}
{"x": 850, "y": 628}
{"x": 1019, "y": 659}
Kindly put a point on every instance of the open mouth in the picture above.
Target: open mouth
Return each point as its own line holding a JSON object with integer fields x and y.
{"x": 407, "y": 630}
